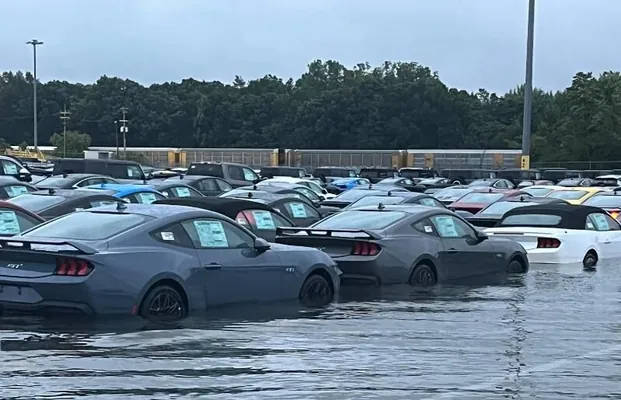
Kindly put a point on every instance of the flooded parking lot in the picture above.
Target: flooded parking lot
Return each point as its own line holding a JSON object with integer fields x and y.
{"x": 552, "y": 334}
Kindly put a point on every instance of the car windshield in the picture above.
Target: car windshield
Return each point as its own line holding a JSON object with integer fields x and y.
{"x": 353, "y": 195}
{"x": 484, "y": 198}
{"x": 360, "y": 220}
{"x": 568, "y": 194}
{"x": 72, "y": 226}
{"x": 604, "y": 201}
{"x": 375, "y": 200}
{"x": 501, "y": 207}
{"x": 36, "y": 202}
{"x": 55, "y": 182}
{"x": 537, "y": 192}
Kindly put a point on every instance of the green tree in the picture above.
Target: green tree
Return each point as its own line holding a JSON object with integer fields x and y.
{"x": 76, "y": 144}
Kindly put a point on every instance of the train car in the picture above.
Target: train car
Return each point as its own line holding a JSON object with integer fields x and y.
{"x": 449, "y": 158}
{"x": 311, "y": 158}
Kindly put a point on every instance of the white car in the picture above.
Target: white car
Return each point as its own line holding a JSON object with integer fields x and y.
{"x": 309, "y": 183}
{"x": 558, "y": 233}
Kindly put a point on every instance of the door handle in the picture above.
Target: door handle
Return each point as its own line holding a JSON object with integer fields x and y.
{"x": 212, "y": 266}
{"x": 607, "y": 242}
{"x": 452, "y": 251}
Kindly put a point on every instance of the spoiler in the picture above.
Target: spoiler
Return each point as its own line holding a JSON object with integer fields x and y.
{"x": 49, "y": 245}
{"x": 348, "y": 233}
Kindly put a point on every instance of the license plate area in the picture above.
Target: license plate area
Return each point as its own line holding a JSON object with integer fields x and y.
{"x": 18, "y": 294}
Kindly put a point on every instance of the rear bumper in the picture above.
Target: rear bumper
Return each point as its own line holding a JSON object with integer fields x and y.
{"x": 551, "y": 256}
{"x": 47, "y": 308}
{"x": 372, "y": 272}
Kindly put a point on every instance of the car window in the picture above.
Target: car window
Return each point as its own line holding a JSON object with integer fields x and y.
{"x": 308, "y": 193}
{"x": 299, "y": 210}
{"x": 451, "y": 227}
{"x": 613, "y": 224}
{"x": 501, "y": 207}
{"x": 223, "y": 185}
{"x": 249, "y": 175}
{"x": 13, "y": 222}
{"x": 17, "y": 190}
{"x": 375, "y": 201}
{"x": 133, "y": 171}
{"x": 501, "y": 184}
{"x": 235, "y": 172}
{"x": 35, "y": 203}
{"x": 88, "y": 182}
{"x": 259, "y": 220}
{"x": 568, "y": 194}
{"x": 483, "y": 198}
{"x": 206, "y": 170}
{"x": 425, "y": 226}
{"x": 101, "y": 203}
{"x": 601, "y": 222}
{"x": 604, "y": 201}
{"x": 357, "y": 219}
{"x": 148, "y": 197}
{"x": 180, "y": 191}
{"x": 72, "y": 226}
{"x": 537, "y": 192}
{"x": 430, "y": 202}
{"x": 10, "y": 168}
{"x": 209, "y": 185}
{"x": 531, "y": 220}
{"x": 216, "y": 234}
{"x": 173, "y": 234}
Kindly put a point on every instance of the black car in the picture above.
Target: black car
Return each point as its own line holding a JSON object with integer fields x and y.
{"x": 376, "y": 174}
{"x": 490, "y": 215}
{"x": 284, "y": 188}
{"x": 406, "y": 183}
{"x": 73, "y": 181}
{"x": 122, "y": 170}
{"x": 174, "y": 189}
{"x": 53, "y": 203}
{"x": 293, "y": 172}
{"x": 299, "y": 212}
{"x": 418, "y": 173}
{"x": 257, "y": 217}
{"x": 496, "y": 183}
{"x": 396, "y": 198}
{"x": 206, "y": 185}
{"x": 236, "y": 175}
{"x": 11, "y": 187}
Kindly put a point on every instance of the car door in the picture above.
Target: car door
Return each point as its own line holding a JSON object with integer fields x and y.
{"x": 233, "y": 271}
{"x": 301, "y": 213}
{"x": 607, "y": 239}
{"x": 462, "y": 249}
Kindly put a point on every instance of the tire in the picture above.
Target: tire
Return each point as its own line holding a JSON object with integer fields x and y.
{"x": 316, "y": 291}
{"x": 423, "y": 275}
{"x": 589, "y": 260}
{"x": 456, "y": 182}
{"x": 163, "y": 304}
{"x": 515, "y": 267}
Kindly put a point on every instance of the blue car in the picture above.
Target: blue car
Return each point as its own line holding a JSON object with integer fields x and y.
{"x": 141, "y": 194}
{"x": 338, "y": 186}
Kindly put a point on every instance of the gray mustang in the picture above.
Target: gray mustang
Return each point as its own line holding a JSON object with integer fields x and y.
{"x": 407, "y": 244}
{"x": 157, "y": 261}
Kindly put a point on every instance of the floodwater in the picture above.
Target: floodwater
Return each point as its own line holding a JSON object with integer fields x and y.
{"x": 552, "y": 334}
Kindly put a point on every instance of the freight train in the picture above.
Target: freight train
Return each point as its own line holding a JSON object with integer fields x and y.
{"x": 161, "y": 157}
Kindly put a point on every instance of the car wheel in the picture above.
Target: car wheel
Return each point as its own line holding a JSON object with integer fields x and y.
{"x": 163, "y": 304}
{"x": 515, "y": 267}
{"x": 590, "y": 260}
{"x": 456, "y": 182}
{"x": 316, "y": 291}
{"x": 423, "y": 275}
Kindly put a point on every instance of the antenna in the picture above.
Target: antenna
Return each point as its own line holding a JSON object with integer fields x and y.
{"x": 250, "y": 195}
{"x": 381, "y": 206}
{"x": 389, "y": 193}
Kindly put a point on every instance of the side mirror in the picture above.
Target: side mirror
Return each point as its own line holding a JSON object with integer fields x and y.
{"x": 322, "y": 198}
{"x": 24, "y": 175}
{"x": 481, "y": 236}
{"x": 261, "y": 245}
{"x": 324, "y": 191}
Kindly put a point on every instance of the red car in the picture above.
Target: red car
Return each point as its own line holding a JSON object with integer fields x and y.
{"x": 15, "y": 220}
{"x": 478, "y": 199}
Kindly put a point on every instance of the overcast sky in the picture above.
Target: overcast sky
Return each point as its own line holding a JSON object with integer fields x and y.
{"x": 471, "y": 43}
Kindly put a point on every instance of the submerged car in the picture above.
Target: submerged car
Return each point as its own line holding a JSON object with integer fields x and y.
{"x": 160, "y": 262}
{"x": 562, "y": 233}
{"x": 407, "y": 244}
{"x": 140, "y": 194}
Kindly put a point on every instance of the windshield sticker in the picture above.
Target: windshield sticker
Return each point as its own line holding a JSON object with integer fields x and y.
{"x": 297, "y": 210}
{"x": 168, "y": 236}
{"x": 249, "y": 175}
{"x": 8, "y": 223}
{"x": 9, "y": 168}
{"x": 601, "y": 224}
{"x": 14, "y": 191}
{"x": 263, "y": 220}
{"x": 130, "y": 173}
{"x": 427, "y": 202}
{"x": 211, "y": 234}
{"x": 183, "y": 192}
{"x": 446, "y": 227}
{"x": 147, "y": 198}
{"x": 428, "y": 229}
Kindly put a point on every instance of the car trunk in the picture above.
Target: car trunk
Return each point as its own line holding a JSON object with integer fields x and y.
{"x": 528, "y": 237}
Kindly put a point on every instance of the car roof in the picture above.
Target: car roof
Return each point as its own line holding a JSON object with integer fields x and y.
{"x": 572, "y": 216}
{"x": 125, "y": 188}
{"x": 98, "y": 161}
{"x": 157, "y": 211}
{"x": 182, "y": 178}
{"x": 229, "y": 206}
{"x": 66, "y": 193}
{"x": 581, "y": 188}
{"x": 76, "y": 176}
{"x": 407, "y": 208}
{"x": 161, "y": 185}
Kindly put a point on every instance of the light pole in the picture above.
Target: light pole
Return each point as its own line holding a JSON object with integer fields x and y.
{"x": 124, "y": 130}
{"x": 528, "y": 87}
{"x": 116, "y": 134}
{"x": 64, "y": 116}
{"x": 35, "y": 43}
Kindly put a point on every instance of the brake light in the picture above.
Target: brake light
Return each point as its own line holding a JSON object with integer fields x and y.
{"x": 614, "y": 213}
{"x": 365, "y": 249}
{"x": 72, "y": 267}
{"x": 548, "y": 243}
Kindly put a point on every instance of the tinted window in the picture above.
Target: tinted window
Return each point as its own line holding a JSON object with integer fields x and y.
{"x": 209, "y": 185}
{"x": 361, "y": 220}
{"x": 173, "y": 234}
{"x": 375, "y": 200}
{"x": 134, "y": 171}
{"x": 485, "y": 198}
{"x": 13, "y": 222}
{"x": 501, "y": 207}
{"x": 425, "y": 226}
{"x": 531, "y": 220}
{"x": 72, "y": 226}
{"x": 216, "y": 234}
{"x": 224, "y": 187}
{"x": 604, "y": 201}
{"x": 36, "y": 203}
{"x": 181, "y": 191}
{"x": 568, "y": 194}
{"x": 206, "y": 169}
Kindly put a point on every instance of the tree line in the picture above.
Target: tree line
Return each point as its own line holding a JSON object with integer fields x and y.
{"x": 393, "y": 106}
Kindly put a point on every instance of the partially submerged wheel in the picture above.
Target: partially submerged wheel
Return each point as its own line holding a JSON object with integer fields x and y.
{"x": 423, "y": 275}
{"x": 316, "y": 291}
{"x": 590, "y": 260}
{"x": 163, "y": 304}
{"x": 515, "y": 267}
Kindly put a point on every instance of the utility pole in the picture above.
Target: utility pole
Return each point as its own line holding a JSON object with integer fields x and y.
{"x": 124, "y": 130}
{"x": 35, "y": 43}
{"x": 116, "y": 135}
{"x": 528, "y": 87}
{"x": 64, "y": 116}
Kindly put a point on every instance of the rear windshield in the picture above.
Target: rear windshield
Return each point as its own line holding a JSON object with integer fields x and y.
{"x": 353, "y": 195}
{"x": 55, "y": 182}
{"x": 360, "y": 220}
{"x": 568, "y": 194}
{"x": 604, "y": 201}
{"x": 502, "y": 207}
{"x": 206, "y": 169}
{"x": 375, "y": 200}
{"x": 531, "y": 220}
{"x": 36, "y": 203}
{"x": 72, "y": 226}
{"x": 538, "y": 192}
{"x": 485, "y": 198}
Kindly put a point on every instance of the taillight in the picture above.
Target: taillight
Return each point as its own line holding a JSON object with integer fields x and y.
{"x": 365, "y": 249}
{"x": 72, "y": 267}
{"x": 548, "y": 243}
{"x": 614, "y": 213}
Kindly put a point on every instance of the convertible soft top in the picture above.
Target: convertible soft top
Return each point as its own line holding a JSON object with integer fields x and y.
{"x": 228, "y": 206}
{"x": 572, "y": 216}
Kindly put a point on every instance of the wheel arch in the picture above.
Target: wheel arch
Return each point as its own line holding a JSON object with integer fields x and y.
{"x": 321, "y": 270}
{"x": 424, "y": 259}
{"x": 165, "y": 278}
